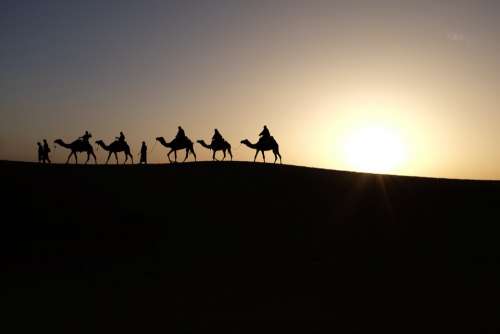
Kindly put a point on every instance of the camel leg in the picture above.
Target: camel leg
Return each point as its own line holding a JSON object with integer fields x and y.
{"x": 224, "y": 155}
{"x": 67, "y": 160}
{"x": 76, "y": 158}
{"x": 175, "y": 155}
{"x": 230, "y": 153}
{"x": 126, "y": 158}
{"x": 95, "y": 159}
{"x": 194, "y": 154}
{"x": 279, "y": 155}
{"x": 255, "y": 158}
{"x": 131, "y": 157}
{"x": 109, "y": 156}
{"x": 187, "y": 154}
{"x": 168, "y": 156}
{"x": 88, "y": 158}
{"x": 116, "y": 157}
{"x": 213, "y": 156}
{"x": 263, "y": 156}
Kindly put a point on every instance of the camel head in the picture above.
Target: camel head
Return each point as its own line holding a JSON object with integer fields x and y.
{"x": 100, "y": 142}
{"x": 59, "y": 141}
{"x": 162, "y": 141}
{"x": 201, "y": 141}
{"x": 245, "y": 141}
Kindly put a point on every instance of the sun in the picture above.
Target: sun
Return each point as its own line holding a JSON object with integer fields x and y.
{"x": 375, "y": 149}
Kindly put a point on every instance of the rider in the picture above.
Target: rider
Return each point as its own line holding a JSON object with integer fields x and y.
{"x": 85, "y": 137}
{"x": 217, "y": 137}
{"x": 121, "y": 139}
{"x": 181, "y": 135}
{"x": 264, "y": 134}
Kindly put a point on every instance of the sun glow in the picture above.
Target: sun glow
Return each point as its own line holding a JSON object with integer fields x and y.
{"x": 376, "y": 149}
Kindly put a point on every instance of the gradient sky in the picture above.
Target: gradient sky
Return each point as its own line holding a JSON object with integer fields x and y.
{"x": 313, "y": 71}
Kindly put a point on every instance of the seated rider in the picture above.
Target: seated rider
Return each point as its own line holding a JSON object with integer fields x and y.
{"x": 180, "y": 136}
{"x": 217, "y": 137}
{"x": 121, "y": 139}
{"x": 264, "y": 134}
{"x": 85, "y": 137}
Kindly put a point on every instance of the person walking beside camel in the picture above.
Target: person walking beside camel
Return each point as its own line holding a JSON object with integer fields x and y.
{"x": 46, "y": 151}
{"x": 40, "y": 153}
{"x": 143, "y": 154}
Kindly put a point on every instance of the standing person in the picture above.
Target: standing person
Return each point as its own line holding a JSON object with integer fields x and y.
{"x": 46, "y": 151}
{"x": 40, "y": 153}
{"x": 144, "y": 152}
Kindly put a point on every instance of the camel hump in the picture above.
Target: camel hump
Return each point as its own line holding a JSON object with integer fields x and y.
{"x": 187, "y": 141}
{"x": 119, "y": 143}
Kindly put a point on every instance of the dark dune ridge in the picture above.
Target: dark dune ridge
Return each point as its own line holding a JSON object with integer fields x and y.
{"x": 246, "y": 248}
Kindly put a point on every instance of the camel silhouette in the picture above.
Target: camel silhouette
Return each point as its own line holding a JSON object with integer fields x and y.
{"x": 262, "y": 146}
{"x": 77, "y": 146}
{"x": 116, "y": 147}
{"x": 218, "y": 146}
{"x": 176, "y": 145}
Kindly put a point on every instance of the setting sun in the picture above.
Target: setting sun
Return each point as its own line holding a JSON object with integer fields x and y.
{"x": 374, "y": 149}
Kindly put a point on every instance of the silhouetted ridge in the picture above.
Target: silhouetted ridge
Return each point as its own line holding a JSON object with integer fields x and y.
{"x": 244, "y": 247}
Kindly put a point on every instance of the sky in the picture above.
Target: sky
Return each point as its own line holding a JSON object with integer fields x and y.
{"x": 402, "y": 87}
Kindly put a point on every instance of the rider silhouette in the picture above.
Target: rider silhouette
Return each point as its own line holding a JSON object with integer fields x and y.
{"x": 181, "y": 135}
{"x": 85, "y": 137}
{"x": 264, "y": 134}
{"x": 217, "y": 137}
{"x": 121, "y": 139}
{"x": 46, "y": 151}
{"x": 40, "y": 153}
{"x": 144, "y": 151}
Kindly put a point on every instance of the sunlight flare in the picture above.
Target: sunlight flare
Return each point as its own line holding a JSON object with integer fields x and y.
{"x": 374, "y": 148}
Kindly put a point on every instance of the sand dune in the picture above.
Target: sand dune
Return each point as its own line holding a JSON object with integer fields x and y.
{"x": 246, "y": 248}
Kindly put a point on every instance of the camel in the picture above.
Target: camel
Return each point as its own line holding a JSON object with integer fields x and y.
{"x": 269, "y": 145}
{"x": 219, "y": 146}
{"x": 76, "y": 147}
{"x": 175, "y": 145}
{"x": 116, "y": 147}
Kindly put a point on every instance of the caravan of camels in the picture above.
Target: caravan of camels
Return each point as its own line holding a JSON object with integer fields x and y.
{"x": 180, "y": 142}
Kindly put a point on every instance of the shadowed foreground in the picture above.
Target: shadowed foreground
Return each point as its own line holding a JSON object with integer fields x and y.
{"x": 246, "y": 248}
